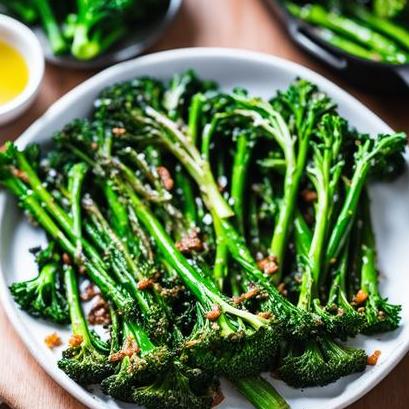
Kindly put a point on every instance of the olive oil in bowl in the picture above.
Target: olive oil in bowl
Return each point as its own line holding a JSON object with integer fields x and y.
{"x": 14, "y": 73}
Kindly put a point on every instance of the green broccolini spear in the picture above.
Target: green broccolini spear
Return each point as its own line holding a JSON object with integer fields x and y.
{"x": 321, "y": 360}
{"x": 389, "y": 8}
{"x": 302, "y": 106}
{"x": 381, "y": 315}
{"x": 392, "y": 29}
{"x": 371, "y": 156}
{"x": 51, "y": 26}
{"x": 45, "y": 210}
{"x": 349, "y": 46}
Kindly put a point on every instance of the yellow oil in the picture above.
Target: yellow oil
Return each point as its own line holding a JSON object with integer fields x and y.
{"x": 13, "y": 73}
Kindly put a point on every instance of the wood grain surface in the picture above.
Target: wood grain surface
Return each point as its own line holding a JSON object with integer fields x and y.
{"x": 223, "y": 23}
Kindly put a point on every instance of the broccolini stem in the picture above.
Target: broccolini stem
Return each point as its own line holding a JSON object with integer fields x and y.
{"x": 165, "y": 244}
{"x": 81, "y": 155}
{"x": 139, "y": 160}
{"x": 189, "y": 204}
{"x": 347, "y": 215}
{"x": 196, "y": 165}
{"x": 119, "y": 215}
{"x": 104, "y": 226}
{"x": 141, "y": 188}
{"x": 324, "y": 174}
{"x": 50, "y": 23}
{"x": 30, "y": 202}
{"x": 294, "y": 172}
{"x": 195, "y": 113}
{"x": 220, "y": 270}
{"x": 35, "y": 183}
{"x": 85, "y": 46}
{"x": 76, "y": 177}
{"x": 260, "y": 393}
{"x": 243, "y": 257}
{"x": 391, "y": 29}
{"x": 204, "y": 290}
{"x": 142, "y": 338}
{"x": 58, "y": 213}
{"x": 369, "y": 273}
{"x": 241, "y": 163}
{"x": 78, "y": 324}
{"x": 349, "y": 46}
{"x": 302, "y": 234}
{"x": 96, "y": 273}
{"x": 303, "y": 239}
{"x": 254, "y": 230}
{"x": 339, "y": 279}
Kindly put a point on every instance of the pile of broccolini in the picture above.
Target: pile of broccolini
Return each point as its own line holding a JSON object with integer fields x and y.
{"x": 228, "y": 235}
{"x": 85, "y": 28}
{"x": 374, "y": 30}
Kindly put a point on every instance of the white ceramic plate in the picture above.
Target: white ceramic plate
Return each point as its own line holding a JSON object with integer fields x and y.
{"x": 261, "y": 75}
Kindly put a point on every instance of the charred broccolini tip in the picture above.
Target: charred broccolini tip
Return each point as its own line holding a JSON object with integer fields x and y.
{"x": 138, "y": 361}
{"x": 173, "y": 390}
{"x": 320, "y": 362}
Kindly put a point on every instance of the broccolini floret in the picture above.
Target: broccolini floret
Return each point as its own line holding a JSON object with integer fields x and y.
{"x": 43, "y": 296}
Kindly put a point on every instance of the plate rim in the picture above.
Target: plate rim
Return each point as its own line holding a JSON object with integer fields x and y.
{"x": 57, "y": 107}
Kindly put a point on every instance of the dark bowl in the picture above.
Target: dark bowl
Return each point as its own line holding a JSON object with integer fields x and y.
{"x": 372, "y": 75}
{"x": 133, "y": 44}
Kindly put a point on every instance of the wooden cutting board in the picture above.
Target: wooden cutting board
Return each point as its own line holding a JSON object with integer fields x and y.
{"x": 224, "y": 23}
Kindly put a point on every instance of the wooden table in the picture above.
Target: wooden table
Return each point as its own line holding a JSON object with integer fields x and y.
{"x": 223, "y": 23}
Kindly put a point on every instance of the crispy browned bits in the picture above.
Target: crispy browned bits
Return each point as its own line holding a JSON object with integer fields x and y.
{"x": 19, "y": 174}
{"x": 373, "y": 358}
{"x": 282, "y": 290}
{"x": 172, "y": 292}
{"x": 268, "y": 265}
{"x": 191, "y": 343}
{"x": 118, "y": 131}
{"x": 66, "y": 259}
{"x": 89, "y": 292}
{"x": 53, "y": 340}
{"x": 218, "y": 397}
{"x": 75, "y": 341}
{"x": 309, "y": 196}
{"x": 165, "y": 177}
{"x": 214, "y": 314}
{"x": 253, "y": 292}
{"x": 82, "y": 269}
{"x": 99, "y": 314}
{"x": 145, "y": 283}
{"x": 190, "y": 242}
{"x": 265, "y": 314}
{"x": 360, "y": 297}
{"x": 333, "y": 261}
{"x": 130, "y": 348}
